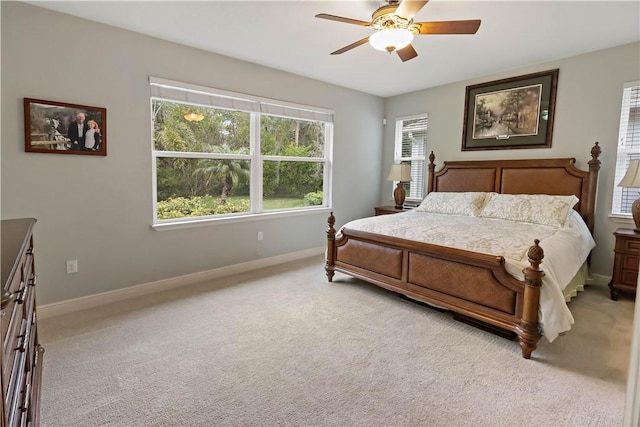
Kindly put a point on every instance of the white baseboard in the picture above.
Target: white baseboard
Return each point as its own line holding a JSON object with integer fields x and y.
{"x": 599, "y": 280}
{"x": 83, "y": 303}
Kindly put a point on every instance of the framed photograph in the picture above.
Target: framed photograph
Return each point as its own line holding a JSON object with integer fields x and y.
{"x": 510, "y": 113}
{"x": 62, "y": 128}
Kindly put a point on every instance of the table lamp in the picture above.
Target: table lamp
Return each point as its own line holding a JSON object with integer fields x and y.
{"x": 402, "y": 174}
{"x": 632, "y": 179}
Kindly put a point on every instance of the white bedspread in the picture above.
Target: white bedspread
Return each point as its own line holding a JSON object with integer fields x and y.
{"x": 565, "y": 249}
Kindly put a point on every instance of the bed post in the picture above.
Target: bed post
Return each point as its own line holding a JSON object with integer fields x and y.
{"x": 594, "y": 167}
{"x": 432, "y": 168}
{"x": 330, "y": 266}
{"x": 527, "y": 330}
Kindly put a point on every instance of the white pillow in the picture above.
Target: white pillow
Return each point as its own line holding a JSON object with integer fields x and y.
{"x": 533, "y": 208}
{"x": 575, "y": 221}
{"x": 465, "y": 203}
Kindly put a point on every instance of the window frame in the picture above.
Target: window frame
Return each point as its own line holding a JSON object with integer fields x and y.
{"x": 256, "y": 107}
{"x": 418, "y": 178}
{"x": 626, "y": 150}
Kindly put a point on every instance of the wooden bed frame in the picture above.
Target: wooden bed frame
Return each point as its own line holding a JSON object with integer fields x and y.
{"x": 474, "y": 285}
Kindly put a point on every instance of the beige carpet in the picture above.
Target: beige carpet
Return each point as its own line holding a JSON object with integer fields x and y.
{"x": 283, "y": 347}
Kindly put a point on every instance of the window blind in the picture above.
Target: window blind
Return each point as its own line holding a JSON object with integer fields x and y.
{"x": 199, "y": 95}
{"x": 411, "y": 142}
{"x": 628, "y": 147}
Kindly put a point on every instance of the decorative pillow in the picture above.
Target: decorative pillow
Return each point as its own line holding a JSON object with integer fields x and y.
{"x": 533, "y": 208}
{"x": 466, "y": 203}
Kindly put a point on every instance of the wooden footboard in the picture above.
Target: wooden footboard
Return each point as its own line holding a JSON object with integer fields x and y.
{"x": 469, "y": 283}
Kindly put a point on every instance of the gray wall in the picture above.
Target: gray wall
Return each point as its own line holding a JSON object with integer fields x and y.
{"x": 99, "y": 209}
{"x": 587, "y": 110}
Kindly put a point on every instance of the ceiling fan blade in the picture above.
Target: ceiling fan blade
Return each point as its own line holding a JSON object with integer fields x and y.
{"x": 449, "y": 27}
{"x": 407, "y": 53}
{"x": 408, "y": 8}
{"x": 351, "y": 46}
{"x": 343, "y": 19}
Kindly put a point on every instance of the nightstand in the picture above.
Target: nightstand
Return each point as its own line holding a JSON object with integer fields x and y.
{"x": 625, "y": 265}
{"x": 386, "y": 210}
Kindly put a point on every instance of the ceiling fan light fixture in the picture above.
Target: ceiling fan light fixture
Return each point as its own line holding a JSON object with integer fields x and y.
{"x": 390, "y": 39}
{"x": 193, "y": 117}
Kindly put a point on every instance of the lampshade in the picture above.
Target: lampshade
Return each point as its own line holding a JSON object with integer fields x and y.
{"x": 193, "y": 117}
{"x": 632, "y": 179}
{"x": 391, "y": 39}
{"x": 400, "y": 173}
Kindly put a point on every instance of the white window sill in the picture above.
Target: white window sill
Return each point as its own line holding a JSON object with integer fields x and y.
{"x": 623, "y": 219}
{"x": 202, "y": 222}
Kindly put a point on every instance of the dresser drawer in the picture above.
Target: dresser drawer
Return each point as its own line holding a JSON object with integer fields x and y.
{"x": 17, "y": 285}
{"x": 23, "y": 341}
{"x": 26, "y": 400}
{"x": 631, "y": 246}
{"x": 12, "y": 340}
{"x": 17, "y": 364}
{"x": 29, "y": 301}
{"x": 17, "y": 417}
{"x": 629, "y": 277}
{"x": 24, "y": 268}
{"x": 631, "y": 262}
{"x": 27, "y": 267}
{"x": 379, "y": 212}
{"x": 5, "y": 321}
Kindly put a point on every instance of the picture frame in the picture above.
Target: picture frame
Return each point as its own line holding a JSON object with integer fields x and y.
{"x": 52, "y": 127}
{"x": 510, "y": 113}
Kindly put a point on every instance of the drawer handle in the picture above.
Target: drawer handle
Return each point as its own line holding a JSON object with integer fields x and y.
{"x": 25, "y": 341}
{"x": 27, "y": 398}
{"x": 20, "y": 294}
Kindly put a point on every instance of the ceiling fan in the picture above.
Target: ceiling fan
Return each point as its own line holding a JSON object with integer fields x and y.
{"x": 395, "y": 28}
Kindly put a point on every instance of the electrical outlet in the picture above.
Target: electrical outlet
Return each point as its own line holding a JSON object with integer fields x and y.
{"x": 72, "y": 266}
{"x": 260, "y": 235}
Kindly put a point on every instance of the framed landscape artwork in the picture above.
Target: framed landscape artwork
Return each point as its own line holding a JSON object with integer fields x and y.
{"x": 510, "y": 113}
{"x": 62, "y": 128}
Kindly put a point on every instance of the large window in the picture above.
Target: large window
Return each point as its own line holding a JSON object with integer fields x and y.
{"x": 218, "y": 154}
{"x": 628, "y": 148}
{"x": 410, "y": 148}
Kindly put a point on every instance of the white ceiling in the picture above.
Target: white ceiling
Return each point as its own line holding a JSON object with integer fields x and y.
{"x": 285, "y": 35}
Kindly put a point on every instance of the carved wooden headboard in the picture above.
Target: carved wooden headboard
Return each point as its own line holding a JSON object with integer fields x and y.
{"x": 529, "y": 176}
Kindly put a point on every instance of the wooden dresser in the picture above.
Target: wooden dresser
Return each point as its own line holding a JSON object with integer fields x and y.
{"x": 21, "y": 352}
{"x": 625, "y": 264}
